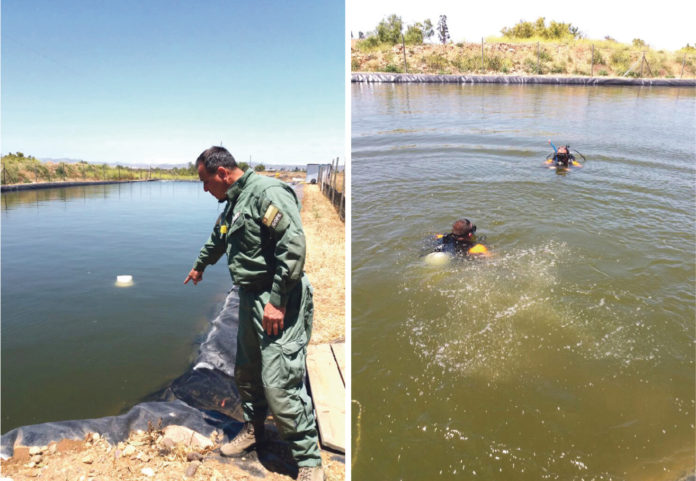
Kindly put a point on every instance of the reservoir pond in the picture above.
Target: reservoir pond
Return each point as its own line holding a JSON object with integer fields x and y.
{"x": 569, "y": 353}
{"x": 75, "y": 345}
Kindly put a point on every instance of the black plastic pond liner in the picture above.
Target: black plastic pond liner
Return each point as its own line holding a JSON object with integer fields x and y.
{"x": 204, "y": 399}
{"x": 115, "y": 428}
{"x": 517, "y": 79}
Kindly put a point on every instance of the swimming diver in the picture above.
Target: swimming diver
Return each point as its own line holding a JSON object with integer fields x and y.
{"x": 562, "y": 157}
{"x": 461, "y": 241}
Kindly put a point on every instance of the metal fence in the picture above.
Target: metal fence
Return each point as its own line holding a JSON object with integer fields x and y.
{"x": 332, "y": 182}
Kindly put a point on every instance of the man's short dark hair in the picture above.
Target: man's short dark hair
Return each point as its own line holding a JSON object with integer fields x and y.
{"x": 215, "y": 157}
{"x": 463, "y": 226}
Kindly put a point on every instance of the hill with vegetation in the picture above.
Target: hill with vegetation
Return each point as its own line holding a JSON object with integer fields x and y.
{"x": 528, "y": 48}
{"x": 18, "y": 168}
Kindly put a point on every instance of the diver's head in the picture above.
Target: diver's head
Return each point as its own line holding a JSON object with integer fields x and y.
{"x": 463, "y": 229}
{"x": 563, "y": 156}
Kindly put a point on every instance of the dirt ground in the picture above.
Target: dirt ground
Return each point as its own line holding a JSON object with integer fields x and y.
{"x": 150, "y": 455}
{"x": 145, "y": 455}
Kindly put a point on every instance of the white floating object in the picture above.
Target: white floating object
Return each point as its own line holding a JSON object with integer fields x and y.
{"x": 124, "y": 281}
{"x": 437, "y": 258}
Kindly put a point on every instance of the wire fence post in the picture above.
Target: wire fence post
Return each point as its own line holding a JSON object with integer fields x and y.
{"x": 592, "y": 67}
{"x": 482, "y": 63}
{"x": 333, "y": 182}
{"x": 683, "y": 62}
{"x": 343, "y": 195}
{"x": 538, "y": 59}
{"x": 641, "y": 65}
{"x": 403, "y": 44}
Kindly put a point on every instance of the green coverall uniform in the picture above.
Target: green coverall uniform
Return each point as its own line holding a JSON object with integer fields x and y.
{"x": 261, "y": 232}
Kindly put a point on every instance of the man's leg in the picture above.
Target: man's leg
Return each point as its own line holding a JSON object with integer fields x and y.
{"x": 283, "y": 371}
{"x": 247, "y": 373}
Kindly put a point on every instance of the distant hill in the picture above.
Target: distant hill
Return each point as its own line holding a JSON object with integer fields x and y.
{"x": 141, "y": 165}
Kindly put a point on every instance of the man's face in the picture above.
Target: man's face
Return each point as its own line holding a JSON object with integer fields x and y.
{"x": 213, "y": 183}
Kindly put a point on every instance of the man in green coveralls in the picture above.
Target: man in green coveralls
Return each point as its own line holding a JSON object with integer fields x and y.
{"x": 261, "y": 233}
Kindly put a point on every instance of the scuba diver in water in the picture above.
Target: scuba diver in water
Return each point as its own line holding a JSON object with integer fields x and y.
{"x": 562, "y": 157}
{"x": 461, "y": 241}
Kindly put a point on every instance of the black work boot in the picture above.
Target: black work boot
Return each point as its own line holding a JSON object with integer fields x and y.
{"x": 252, "y": 433}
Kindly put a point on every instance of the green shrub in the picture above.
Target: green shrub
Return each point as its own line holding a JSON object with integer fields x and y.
{"x": 558, "y": 68}
{"x": 494, "y": 62}
{"x": 619, "y": 56}
{"x": 544, "y": 56}
{"x": 392, "y": 68}
{"x": 369, "y": 44}
{"x": 597, "y": 58}
{"x": 603, "y": 73}
{"x": 530, "y": 65}
{"x": 465, "y": 63}
{"x": 436, "y": 61}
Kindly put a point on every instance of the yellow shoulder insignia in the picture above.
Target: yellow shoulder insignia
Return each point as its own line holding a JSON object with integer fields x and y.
{"x": 223, "y": 229}
{"x": 272, "y": 216}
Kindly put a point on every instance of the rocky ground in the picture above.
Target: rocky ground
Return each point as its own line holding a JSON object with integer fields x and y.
{"x": 173, "y": 453}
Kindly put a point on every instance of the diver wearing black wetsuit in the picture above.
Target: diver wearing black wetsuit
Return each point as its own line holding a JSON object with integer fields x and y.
{"x": 563, "y": 158}
{"x": 461, "y": 242}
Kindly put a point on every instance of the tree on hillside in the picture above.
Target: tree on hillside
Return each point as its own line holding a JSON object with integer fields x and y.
{"x": 414, "y": 34}
{"x": 389, "y": 30}
{"x": 418, "y": 32}
{"x": 428, "y": 30}
{"x": 442, "y": 30}
{"x": 259, "y": 168}
{"x": 555, "y": 30}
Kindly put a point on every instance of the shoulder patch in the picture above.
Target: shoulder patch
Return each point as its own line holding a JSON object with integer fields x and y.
{"x": 272, "y": 216}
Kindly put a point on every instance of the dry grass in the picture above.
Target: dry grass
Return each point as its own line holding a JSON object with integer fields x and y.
{"x": 325, "y": 264}
{"x": 502, "y": 56}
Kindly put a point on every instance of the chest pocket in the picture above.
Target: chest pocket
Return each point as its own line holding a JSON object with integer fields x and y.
{"x": 244, "y": 235}
{"x": 232, "y": 232}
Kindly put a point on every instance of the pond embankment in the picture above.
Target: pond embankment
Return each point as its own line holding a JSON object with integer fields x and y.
{"x": 368, "y": 77}
{"x": 51, "y": 185}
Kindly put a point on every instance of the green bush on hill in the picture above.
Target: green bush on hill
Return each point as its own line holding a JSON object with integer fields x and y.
{"x": 555, "y": 30}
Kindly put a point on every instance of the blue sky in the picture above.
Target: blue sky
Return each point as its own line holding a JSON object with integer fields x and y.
{"x": 159, "y": 81}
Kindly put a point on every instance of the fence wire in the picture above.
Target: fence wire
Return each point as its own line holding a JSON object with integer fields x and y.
{"x": 332, "y": 183}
